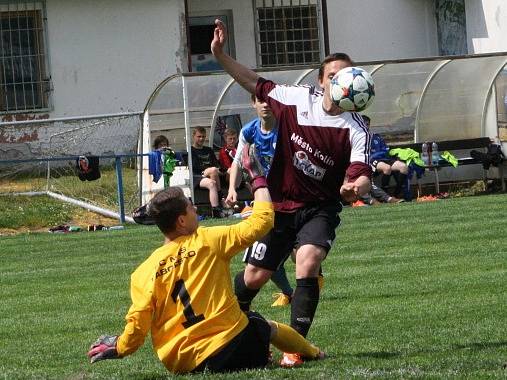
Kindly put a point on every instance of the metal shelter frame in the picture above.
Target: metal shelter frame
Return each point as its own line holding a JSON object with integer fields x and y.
{"x": 183, "y": 101}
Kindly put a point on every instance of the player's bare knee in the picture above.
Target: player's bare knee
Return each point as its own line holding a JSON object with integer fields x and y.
{"x": 255, "y": 277}
{"x": 256, "y": 282}
{"x": 213, "y": 172}
{"x": 308, "y": 260}
{"x": 207, "y": 183}
{"x": 400, "y": 166}
{"x": 404, "y": 169}
{"x": 212, "y": 185}
{"x": 307, "y": 269}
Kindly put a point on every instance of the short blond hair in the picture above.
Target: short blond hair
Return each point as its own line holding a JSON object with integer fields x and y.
{"x": 230, "y": 132}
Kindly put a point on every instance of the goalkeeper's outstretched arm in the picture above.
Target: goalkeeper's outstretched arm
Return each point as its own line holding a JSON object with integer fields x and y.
{"x": 261, "y": 194}
{"x": 231, "y": 239}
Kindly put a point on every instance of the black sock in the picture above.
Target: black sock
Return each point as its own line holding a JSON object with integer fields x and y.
{"x": 245, "y": 295}
{"x": 401, "y": 183}
{"x": 304, "y": 303}
{"x": 217, "y": 212}
{"x": 384, "y": 181}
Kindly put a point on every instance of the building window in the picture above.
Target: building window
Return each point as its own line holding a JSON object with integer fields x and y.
{"x": 201, "y": 26}
{"x": 451, "y": 27}
{"x": 24, "y": 82}
{"x": 287, "y": 32}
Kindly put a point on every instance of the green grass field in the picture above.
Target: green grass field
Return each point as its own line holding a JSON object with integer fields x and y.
{"x": 415, "y": 290}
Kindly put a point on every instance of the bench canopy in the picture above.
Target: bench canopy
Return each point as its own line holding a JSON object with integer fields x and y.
{"x": 441, "y": 98}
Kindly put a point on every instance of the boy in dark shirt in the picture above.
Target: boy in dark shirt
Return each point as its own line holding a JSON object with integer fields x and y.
{"x": 205, "y": 170}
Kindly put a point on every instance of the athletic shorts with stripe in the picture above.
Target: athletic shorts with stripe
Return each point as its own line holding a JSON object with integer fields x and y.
{"x": 312, "y": 224}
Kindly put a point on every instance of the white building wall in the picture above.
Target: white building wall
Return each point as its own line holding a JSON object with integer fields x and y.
{"x": 243, "y": 21}
{"x": 108, "y": 56}
{"x": 486, "y": 26}
{"x": 371, "y": 30}
{"x": 376, "y": 30}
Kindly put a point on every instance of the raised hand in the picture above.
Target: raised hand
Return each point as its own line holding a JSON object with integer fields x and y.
{"x": 219, "y": 38}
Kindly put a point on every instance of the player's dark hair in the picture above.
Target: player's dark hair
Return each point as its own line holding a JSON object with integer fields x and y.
{"x": 331, "y": 58}
{"x": 366, "y": 119}
{"x": 200, "y": 130}
{"x": 252, "y": 96}
{"x": 160, "y": 140}
{"x": 166, "y": 206}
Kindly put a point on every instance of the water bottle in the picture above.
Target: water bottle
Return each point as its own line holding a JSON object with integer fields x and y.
{"x": 424, "y": 154}
{"x": 115, "y": 228}
{"x": 435, "y": 155}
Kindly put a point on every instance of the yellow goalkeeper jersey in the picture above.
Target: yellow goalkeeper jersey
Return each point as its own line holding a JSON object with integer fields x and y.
{"x": 183, "y": 293}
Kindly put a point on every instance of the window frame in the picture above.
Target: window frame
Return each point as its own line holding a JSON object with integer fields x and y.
{"x": 38, "y": 99}
{"x": 277, "y": 4}
{"x": 207, "y": 18}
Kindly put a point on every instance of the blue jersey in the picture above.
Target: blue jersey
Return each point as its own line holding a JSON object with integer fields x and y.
{"x": 265, "y": 143}
{"x": 379, "y": 148}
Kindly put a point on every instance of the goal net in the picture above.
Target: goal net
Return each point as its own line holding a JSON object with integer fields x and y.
{"x": 41, "y": 157}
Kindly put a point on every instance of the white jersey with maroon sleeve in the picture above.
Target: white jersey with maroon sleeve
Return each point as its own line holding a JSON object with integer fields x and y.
{"x": 315, "y": 151}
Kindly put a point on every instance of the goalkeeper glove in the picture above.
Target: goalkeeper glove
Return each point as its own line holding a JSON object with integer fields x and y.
{"x": 103, "y": 348}
{"x": 253, "y": 167}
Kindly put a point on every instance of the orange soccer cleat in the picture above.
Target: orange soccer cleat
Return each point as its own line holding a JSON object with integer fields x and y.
{"x": 294, "y": 360}
{"x": 358, "y": 203}
{"x": 291, "y": 360}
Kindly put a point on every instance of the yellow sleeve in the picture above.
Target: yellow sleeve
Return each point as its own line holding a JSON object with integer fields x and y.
{"x": 229, "y": 240}
{"x": 139, "y": 315}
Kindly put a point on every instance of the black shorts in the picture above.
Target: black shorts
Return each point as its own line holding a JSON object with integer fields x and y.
{"x": 249, "y": 349}
{"x": 313, "y": 224}
{"x": 197, "y": 180}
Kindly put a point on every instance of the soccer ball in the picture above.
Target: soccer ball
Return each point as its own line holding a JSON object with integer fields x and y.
{"x": 352, "y": 89}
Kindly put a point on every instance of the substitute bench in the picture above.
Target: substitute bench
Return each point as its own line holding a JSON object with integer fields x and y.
{"x": 201, "y": 196}
{"x": 482, "y": 145}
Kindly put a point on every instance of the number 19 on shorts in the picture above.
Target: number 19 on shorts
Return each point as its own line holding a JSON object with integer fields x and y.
{"x": 257, "y": 251}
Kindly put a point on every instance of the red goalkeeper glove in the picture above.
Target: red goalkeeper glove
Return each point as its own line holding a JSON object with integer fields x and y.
{"x": 103, "y": 348}
{"x": 253, "y": 167}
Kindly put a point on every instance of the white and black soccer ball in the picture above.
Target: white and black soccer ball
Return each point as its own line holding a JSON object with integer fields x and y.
{"x": 352, "y": 89}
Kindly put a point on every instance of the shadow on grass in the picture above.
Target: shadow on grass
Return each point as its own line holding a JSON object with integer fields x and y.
{"x": 374, "y": 296}
{"x": 377, "y": 355}
{"x": 389, "y": 355}
{"x": 152, "y": 376}
{"x": 480, "y": 346}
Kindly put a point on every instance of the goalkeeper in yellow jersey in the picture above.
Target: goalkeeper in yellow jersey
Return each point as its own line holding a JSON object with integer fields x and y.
{"x": 183, "y": 292}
